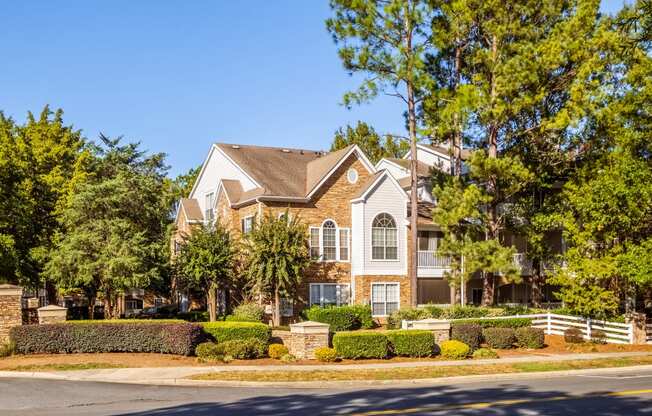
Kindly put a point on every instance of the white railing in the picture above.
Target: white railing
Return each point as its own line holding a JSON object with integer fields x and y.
{"x": 554, "y": 324}
{"x": 430, "y": 260}
{"x": 648, "y": 333}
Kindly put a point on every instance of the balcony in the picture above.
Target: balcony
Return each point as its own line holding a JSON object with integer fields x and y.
{"x": 430, "y": 264}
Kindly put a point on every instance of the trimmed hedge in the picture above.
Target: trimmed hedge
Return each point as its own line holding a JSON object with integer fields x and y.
{"x": 193, "y": 316}
{"x": 497, "y": 323}
{"x": 325, "y": 354}
{"x": 341, "y": 318}
{"x": 469, "y": 334}
{"x": 122, "y": 321}
{"x": 227, "y": 331}
{"x": 243, "y": 349}
{"x": 276, "y": 351}
{"x": 411, "y": 343}
{"x": 454, "y": 350}
{"x": 501, "y": 338}
{"x": 247, "y": 312}
{"x": 530, "y": 337}
{"x": 484, "y": 353}
{"x": 209, "y": 351}
{"x": 169, "y": 338}
{"x": 361, "y": 344}
{"x": 407, "y": 314}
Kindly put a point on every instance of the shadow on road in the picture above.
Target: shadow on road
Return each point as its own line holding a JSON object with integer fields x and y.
{"x": 502, "y": 400}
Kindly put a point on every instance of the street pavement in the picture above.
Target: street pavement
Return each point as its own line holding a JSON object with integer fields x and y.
{"x": 603, "y": 392}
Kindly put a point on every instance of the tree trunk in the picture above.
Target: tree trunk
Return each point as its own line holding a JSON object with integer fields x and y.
{"x": 277, "y": 309}
{"x": 537, "y": 284}
{"x": 487, "y": 289}
{"x": 456, "y": 164}
{"x": 211, "y": 300}
{"x": 414, "y": 199}
{"x": 91, "y": 306}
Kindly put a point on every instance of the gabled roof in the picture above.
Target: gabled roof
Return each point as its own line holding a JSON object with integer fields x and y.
{"x": 191, "y": 210}
{"x": 422, "y": 168}
{"x": 371, "y": 183}
{"x": 445, "y": 151}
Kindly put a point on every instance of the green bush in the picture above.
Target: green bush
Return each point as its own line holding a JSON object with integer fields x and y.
{"x": 598, "y": 336}
{"x": 411, "y": 343}
{"x": 469, "y": 334}
{"x": 361, "y": 344}
{"x": 7, "y": 349}
{"x": 193, "y": 316}
{"x": 288, "y": 358}
{"x": 484, "y": 353}
{"x": 276, "y": 351}
{"x": 528, "y": 337}
{"x": 465, "y": 312}
{"x": 325, "y": 354}
{"x": 248, "y": 312}
{"x": 341, "y": 318}
{"x": 497, "y": 323}
{"x": 171, "y": 338}
{"x": 501, "y": 338}
{"x": 227, "y": 331}
{"x": 209, "y": 351}
{"x": 573, "y": 336}
{"x": 406, "y": 314}
{"x": 243, "y": 349}
{"x": 125, "y": 321}
{"x": 454, "y": 350}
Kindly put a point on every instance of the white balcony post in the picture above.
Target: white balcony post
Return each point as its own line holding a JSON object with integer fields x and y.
{"x": 588, "y": 328}
{"x": 549, "y": 324}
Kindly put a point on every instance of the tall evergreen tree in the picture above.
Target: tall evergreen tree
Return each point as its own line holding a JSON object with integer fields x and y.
{"x": 369, "y": 141}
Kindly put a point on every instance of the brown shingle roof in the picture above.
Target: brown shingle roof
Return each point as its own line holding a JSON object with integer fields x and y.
{"x": 318, "y": 168}
{"x": 233, "y": 189}
{"x": 422, "y": 168}
{"x": 191, "y": 208}
{"x": 370, "y": 181}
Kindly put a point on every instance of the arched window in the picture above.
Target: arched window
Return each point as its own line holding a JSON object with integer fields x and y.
{"x": 384, "y": 238}
{"x": 329, "y": 240}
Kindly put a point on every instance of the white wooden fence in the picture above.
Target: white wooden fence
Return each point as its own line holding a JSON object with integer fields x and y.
{"x": 554, "y": 324}
{"x": 648, "y": 332}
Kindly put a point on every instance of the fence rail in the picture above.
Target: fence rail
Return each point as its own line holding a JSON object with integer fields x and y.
{"x": 648, "y": 333}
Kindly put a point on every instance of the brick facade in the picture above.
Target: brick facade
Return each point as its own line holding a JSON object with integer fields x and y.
{"x": 11, "y": 313}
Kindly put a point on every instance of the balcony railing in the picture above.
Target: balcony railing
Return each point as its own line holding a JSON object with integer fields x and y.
{"x": 430, "y": 260}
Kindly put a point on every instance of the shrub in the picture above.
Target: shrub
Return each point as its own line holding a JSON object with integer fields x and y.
{"x": 171, "y": 338}
{"x": 126, "y": 321}
{"x": 193, "y": 316}
{"x": 288, "y": 358}
{"x": 248, "y": 312}
{"x": 411, "y": 343}
{"x": 7, "y": 349}
{"x": 243, "y": 349}
{"x": 227, "y": 331}
{"x": 484, "y": 353}
{"x": 276, "y": 351}
{"x": 325, "y": 354}
{"x": 469, "y": 334}
{"x": 361, "y": 344}
{"x": 573, "y": 336}
{"x": 341, "y": 318}
{"x": 462, "y": 312}
{"x": 528, "y": 337}
{"x": 454, "y": 350}
{"x": 497, "y": 323}
{"x": 598, "y": 336}
{"x": 407, "y": 314}
{"x": 208, "y": 351}
{"x": 501, "y": 338}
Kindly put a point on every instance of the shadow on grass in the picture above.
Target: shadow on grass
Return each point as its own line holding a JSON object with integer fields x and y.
{"x": 506, "y": 399}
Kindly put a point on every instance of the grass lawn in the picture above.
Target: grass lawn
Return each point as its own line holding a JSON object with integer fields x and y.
{"x": 420, "y": 372}
{"x": 62, "y": 367}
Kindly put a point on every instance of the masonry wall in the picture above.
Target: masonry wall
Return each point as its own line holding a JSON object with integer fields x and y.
{"x": 11, "y": 313}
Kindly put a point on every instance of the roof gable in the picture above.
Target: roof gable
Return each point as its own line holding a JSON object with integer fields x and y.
{"x": 373, "y": 182}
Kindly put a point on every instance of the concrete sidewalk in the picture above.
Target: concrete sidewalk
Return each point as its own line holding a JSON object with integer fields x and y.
{"x": 178, "y": 375}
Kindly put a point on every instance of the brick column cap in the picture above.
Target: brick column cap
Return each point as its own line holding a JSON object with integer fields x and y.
{"x": 309, "y": 327}
{"x": 431, "y": 323}
{"x": 8, "y": 290}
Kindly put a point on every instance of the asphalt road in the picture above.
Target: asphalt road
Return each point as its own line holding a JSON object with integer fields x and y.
{"x": 607, "y": 393}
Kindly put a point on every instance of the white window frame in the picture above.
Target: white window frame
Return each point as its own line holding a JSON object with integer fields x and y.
{"x": 210, "y": 206}
{"x": 338, "y": 245}
{"x": 398, "y": 239}
{"x": 384, "y": 285}
{"x": 338, "y": 293}
{"x": 244, "y": 221}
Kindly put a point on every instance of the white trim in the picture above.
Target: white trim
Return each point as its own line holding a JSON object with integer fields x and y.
{"x": 242, "y": 222}
{"x": 371, "y": 239}
{"x": 363, "y": 158}
{"x": 371, "y": 296}
{"x": 385, "y": 174}
{"x": 338, "y": 293}
{"x": 429, "y": 150}
{"x": 404, "y": 169}
{"x": 337, "y": 242}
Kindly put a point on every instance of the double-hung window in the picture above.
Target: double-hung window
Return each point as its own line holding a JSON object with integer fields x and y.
{"x": 329, "y": 294}
{"x": 209, "y": 206}
{"x": 329, "y": 242}
{"x": 384, "y": 298}
{"x": 247, "y": 224}
{"x": 384, "y": 238}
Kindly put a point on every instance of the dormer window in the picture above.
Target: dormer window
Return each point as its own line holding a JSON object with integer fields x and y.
{"x": 209, "y": 206}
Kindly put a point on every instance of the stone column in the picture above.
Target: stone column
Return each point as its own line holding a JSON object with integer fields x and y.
{"x": 52, "y": 314}
{"x": 11, "y": 309}
{"x": 638, "y": 320}
{"x": 306, "y": 337}
{"x": 440, "y": 328}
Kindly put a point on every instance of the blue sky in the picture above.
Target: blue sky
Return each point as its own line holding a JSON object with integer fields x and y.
{"x": 179, "y": 75}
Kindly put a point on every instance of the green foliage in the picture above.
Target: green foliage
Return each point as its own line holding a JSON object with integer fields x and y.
{"x": 326, "y": 354}
{"x": 585, "y": 298}
{"x": 227, "y": 331}
{"x": 573, "y": 336}
{"x": 341, "y": 318}
{"x": 369, "y": 141}
{"x": 408, "y": 314}
{"x": 251, "y": 312}
{"x": 244, "y": 349}
{"x": 210, "y": 351}
{"x": 278, "y": 255}
{"x": 288, "y": 358}
{"x": 501, "y": 338}
{"x": 193, "y": 316}
{"x": 167, "y": 338}
{"x": 469, "y": 334}
{"x": 497, "y": 323}
{"x": 528, "y": 337}
{"x": 361, "y": 344}
{"x": 7, "y": 349}
{"x": 484, "y": 353}
{"x": 276, "y": 351}
{"x": 429, "y": 311}
{"x": 454, "y": 350}
{"x": 411, "y": 343}
{"x": 122, "y": 321}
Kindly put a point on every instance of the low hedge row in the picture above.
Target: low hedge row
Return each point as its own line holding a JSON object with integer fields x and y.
{"x": 342, "y": 318}
{"x": 376, "y": 344}
{"x": 496, "y": 323}
{"x": 411, "y": 343}
{"x": 93, "y": 337}
{"x": 227, "y": 331}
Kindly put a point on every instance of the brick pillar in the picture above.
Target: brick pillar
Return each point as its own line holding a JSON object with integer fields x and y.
{"x": 52, "y": 314}
{"x": 440, "y": 329}
{"x": 639, "y": 328}
{"x": 306, "y": 337}
{"x": 11, "y": 310}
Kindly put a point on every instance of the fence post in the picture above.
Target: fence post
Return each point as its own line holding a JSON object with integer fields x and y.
{"x": 549, "y": 324}
{"x": 588, "y": 328}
